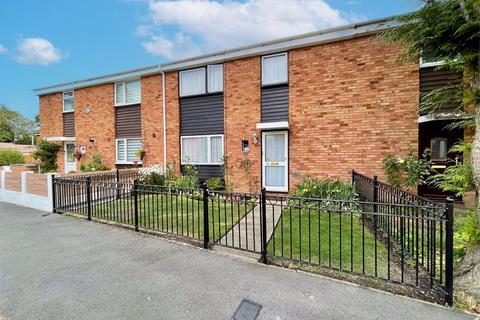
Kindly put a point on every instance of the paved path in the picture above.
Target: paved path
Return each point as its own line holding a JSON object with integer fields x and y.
{"x": 246, "y": 234}
{"x": 58, "y": 267}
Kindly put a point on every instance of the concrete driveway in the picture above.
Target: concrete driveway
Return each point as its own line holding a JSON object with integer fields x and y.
{"x": 57, "y": 267}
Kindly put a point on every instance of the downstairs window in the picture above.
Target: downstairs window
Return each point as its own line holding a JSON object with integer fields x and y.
{"x": 206, "y": 149}
{"x": 126, "y": 150}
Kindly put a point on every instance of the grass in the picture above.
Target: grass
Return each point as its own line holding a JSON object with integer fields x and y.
{"x": 178, "y": 214}
{"x": 328, "y": 239}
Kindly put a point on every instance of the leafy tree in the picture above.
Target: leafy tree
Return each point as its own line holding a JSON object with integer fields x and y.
{"x": 47, "y": 154}
{"x": 16, "y": 128}
{"x": 449, "y": 31}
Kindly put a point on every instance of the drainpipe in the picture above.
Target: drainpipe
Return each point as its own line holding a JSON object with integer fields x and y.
{"x": 164, "y": 122}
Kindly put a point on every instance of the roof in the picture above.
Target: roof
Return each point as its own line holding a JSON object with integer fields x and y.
{"x": 308, "y": 39}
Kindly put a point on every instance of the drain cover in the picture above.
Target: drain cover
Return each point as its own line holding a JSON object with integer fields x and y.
{"x": 247, "y": 310}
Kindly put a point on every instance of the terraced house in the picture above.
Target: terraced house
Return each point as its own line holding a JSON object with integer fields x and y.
{"x": 321, "y": 103}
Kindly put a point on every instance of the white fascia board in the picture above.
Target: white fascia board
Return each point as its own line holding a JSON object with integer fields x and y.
{"x": 272, "y": 125}
{"x": 52, "y": 139}
{"x": 111, "y": 78}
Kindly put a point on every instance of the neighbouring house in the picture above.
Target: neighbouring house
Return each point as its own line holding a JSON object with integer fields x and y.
{"x": 321, "y": 103}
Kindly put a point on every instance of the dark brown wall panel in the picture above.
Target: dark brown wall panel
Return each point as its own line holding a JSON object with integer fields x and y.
{"x": 128, "y": 122}
{"x": 275, "y": 104}
{"x": 69, "y": 124}
{"x": 201, "y": 115}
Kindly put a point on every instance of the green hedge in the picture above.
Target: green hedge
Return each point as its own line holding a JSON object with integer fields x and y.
{"x": 10, "y": 156}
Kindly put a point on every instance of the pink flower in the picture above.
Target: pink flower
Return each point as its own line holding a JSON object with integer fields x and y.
{"x": 135, "y": 162}
{"x": 328, "y": 174}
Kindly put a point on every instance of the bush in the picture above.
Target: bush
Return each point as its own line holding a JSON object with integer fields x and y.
{"x": 154, "y": 175}
{"x": 327, "y": 188}
{"x": 466, "y": 234}
{"x": 10, "y": 156}
{"x": 95, "y": 163}
{"x": 47, "y": 154}
{"x": 215, "y": 183}
{"x": 187, "y": 182}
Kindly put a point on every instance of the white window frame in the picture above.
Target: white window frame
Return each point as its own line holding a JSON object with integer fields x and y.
{"x": 209, "y": 150}
{"x": 117, "y": 161}
{"x": 204, "y": 81}
{"x": 73, "y": 100}
{"x": 286, "y": 67}
{"x": 125, "y": 93}
{"x": 430, "y": 64}
{"x": 206, "y": 77}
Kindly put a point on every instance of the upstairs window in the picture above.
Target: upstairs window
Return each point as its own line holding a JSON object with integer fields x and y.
{"x": 202, "y": 149}
{"x": 201, "y": 80}
{"x": 127, "y": 92}
{"x": 68, "y": 101}
{"x": 275, "y": 69}
{"x": 439, "y": 149}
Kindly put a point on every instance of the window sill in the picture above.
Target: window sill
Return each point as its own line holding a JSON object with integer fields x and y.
{"x": 126, "y": 162}
{"x": 127, "y": 104}
{"x": 201, "y": 164}
{"x": 68, "y": 111}
{"x": 201, "y": 94}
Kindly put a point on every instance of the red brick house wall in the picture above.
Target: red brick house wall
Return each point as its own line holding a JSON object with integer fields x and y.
{"x": 242, "y": 113}
{"x": 172, "y": 118}
{"x": 152, "y": 119}
{"x": 349, "y": 104}
{"x": 51, "y": 121}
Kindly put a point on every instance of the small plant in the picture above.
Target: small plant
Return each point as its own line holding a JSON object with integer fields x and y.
{"x": 407, "y": 172}
{"x": 140, "y": 154}
{"x": 326, "y": 188}
{"x": 246, "y": 164}
{"x": 10, "y": 156}
{"x": 187, "y": 182}
{"x": 95, "y": 163}
{"x": 215, "y": 183}
{"x": 467, "y": 234}
{"x": 154, "y": 175}
{"x": 46, "y": 153}
{"x": 457, "y": 178}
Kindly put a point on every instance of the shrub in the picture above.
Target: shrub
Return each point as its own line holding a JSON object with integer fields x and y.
{"x": 10, "y": 156}
{"x": 47, "y": 154}
{"x": 466, "y": 234}
{"x": 215, "y": 183}
{"x": 95, "y": 163}
{"x": 406, "y": 172}
{"x": 327, "y": 188}
{"x": 187, "y": 182}
{"x": 154, "y": 175}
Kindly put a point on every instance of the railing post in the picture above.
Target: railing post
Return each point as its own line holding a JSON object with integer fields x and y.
{"x": 206, "y": 230}
{"x": 89, "y": 197}
{"x": 449, "y": 251}
{"x": 54, "y": 192}
{"x": 135, "y": 202}
{"x": 263, "y": 222}
{"x": 117, "y": 181}
{"x": 375, "y": 198}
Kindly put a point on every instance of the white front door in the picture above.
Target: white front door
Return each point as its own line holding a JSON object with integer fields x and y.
{"x": 69, "y": 157}
{"x": 275, "y": 160}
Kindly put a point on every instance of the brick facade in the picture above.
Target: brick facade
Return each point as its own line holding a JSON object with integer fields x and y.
{"x": 242, "y": 113}
{"x": 152, "y": 120}
{"x": 349, "y": 103}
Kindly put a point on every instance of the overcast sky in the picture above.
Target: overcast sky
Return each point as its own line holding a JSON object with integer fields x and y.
{"x": 52, "y": 41}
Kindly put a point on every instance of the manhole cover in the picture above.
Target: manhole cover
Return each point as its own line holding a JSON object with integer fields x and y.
{"x": 247, "y": 310}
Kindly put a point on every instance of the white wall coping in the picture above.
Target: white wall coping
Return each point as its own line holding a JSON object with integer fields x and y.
{"x": 272, "y": 125}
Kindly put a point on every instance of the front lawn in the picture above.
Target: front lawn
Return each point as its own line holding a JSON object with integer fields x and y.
{"x": 328, "y": 239}
{"x": 174, "y": 213}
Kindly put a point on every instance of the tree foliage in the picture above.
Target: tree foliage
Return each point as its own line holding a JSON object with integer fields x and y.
{"x": 448, "y": 31}
{"x": 47, "y": 154}
{"x": 16, "y": 128}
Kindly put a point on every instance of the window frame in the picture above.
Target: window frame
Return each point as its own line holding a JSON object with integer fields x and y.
{"x": 193, "y": 94}
{"x": 72, "y": 98}
{"x": 125, "y": 93}
{"x": 286, "y": 66}
{"x": 430, "y": 64}
{"x": 209, "y": 149}
{"x": 446, "y": 149}
{"x": 207, "y": 76}
{"x": 117, "y": 161}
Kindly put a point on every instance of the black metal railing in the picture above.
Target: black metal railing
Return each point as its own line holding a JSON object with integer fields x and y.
{"x": 420, "y": 229}
{"x": 402, "y": 242}
{"x": 117, "y": 175}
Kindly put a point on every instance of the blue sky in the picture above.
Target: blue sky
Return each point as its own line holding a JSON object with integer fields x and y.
{"x": 53, "y": 41}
